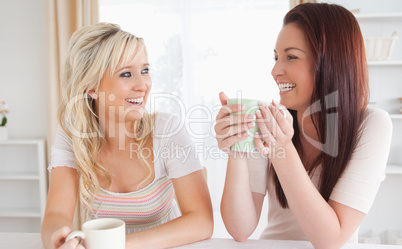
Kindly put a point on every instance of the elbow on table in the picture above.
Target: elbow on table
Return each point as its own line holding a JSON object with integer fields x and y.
{"x": 327, "y": 246}
{"x": 208, "y": 229}
{"x": 239, "y": 236}
{"x": 328, "y": 243}
{"x": 204, "y": 228}
{"x": 240, "y": 232}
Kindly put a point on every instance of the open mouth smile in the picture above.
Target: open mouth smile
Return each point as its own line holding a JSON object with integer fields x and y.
{"x": 286, "y": 87}
{"x": 135, "y": 101}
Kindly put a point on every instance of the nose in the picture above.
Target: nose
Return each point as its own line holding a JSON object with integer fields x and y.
{"x": 141, "y": 84}
{"x": 278, "y": 69}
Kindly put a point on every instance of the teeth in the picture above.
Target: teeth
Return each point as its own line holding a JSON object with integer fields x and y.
{"x": 135, "y": 100}
{"x": 284, "y": 87}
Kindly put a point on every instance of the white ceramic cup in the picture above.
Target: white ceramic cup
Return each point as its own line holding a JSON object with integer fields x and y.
{"x": 103, "y": 233}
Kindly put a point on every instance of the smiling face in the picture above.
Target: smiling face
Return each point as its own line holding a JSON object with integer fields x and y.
{"x": 293, "y": 70}
{"x": 121, "y": 96}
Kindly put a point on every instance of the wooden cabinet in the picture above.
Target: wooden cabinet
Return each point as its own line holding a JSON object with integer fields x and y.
{"x": 23, "y": 185}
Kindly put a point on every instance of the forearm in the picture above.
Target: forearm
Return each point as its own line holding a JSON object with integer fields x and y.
{"x": 316, "y": 217}
{"x": 51, "y": 223}
{"x": 188, "y": 228}
{"x": 237, "y": 206}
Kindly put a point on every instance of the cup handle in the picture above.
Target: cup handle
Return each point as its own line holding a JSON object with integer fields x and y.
{"x": 75, "y": 234}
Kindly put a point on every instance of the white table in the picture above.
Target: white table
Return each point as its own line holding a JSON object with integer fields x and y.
{"x": 33, "y": 241}
{"x": 273, "y": 244}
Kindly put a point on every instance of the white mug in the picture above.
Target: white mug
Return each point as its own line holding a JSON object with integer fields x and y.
{"x": 103, "y": 233}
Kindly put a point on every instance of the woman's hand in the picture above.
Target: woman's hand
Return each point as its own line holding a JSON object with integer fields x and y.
{"x": 59, "y": 240}
{"x": 276, "y": 128}
{"x": 231, "y": 129}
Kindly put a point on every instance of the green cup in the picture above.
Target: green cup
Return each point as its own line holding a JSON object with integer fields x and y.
{"x": 251, "y": 105}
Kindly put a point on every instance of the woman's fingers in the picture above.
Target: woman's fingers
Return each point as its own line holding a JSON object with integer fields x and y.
{"x": 268, "y": 124}
{"x": 59, "y": 236}
{"x": 263, "y": 123}
{"x": 226, "y": 143}
{"x": 275, "y": 123}
{"x": 72, "y": 243}
{"x": 284, "y": 119}
{"x": 229, "y": 109}
{"x": 223, "y": 98}
{"x": 261, "y": 146}
{"x": 233, "y": 120}
{"x": 232, "y": 130}
{"x": 276, "y": 126}
{"x": 231, "y": 127}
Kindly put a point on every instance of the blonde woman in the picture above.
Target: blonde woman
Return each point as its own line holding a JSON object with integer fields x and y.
{"x": 109, "y": 150}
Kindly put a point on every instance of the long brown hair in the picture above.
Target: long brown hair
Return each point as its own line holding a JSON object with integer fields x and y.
{"x": 341, "y": 91}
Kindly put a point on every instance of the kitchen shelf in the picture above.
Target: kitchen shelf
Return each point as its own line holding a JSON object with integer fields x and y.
{"x": 393, "y": 169}
{"x": 13, "y": 177}
{"x": 23, "y": 184}
{"x": 395, "y": 15}
{"x": 20, "y": 212}
{"x": 22, "y": 141}
{"x": 395, "y": 116}
{"x": 385, "y": 63}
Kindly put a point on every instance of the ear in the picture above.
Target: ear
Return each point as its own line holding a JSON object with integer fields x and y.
{"x": 92, "y": 94}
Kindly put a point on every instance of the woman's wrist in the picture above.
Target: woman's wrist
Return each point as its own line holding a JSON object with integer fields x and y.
{"x": 282, "y": 153}
{"x": 238, "y": 156}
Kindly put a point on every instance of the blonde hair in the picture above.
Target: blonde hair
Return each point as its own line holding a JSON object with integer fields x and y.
{"x": 92, "y": 51}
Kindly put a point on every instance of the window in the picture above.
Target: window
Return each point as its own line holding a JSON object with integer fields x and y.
{"x": 198, "y": 48}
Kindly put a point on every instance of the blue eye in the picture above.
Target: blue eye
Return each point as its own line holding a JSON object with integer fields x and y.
{"x": 125, "y": 74}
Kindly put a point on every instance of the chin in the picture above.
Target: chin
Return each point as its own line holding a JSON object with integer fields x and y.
{"x": 135, "y": 115}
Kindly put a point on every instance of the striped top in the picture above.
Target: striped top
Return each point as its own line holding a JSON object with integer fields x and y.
{"x": 140, "y": 210}
{"x": 174, "y": 157}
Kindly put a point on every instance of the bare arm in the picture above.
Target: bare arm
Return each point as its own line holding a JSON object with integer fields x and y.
{"x": 240, "y": 208}
{"x": 60, "y": 207}
{"x": 326, "y": 224}
{"x": 195, "y": 224}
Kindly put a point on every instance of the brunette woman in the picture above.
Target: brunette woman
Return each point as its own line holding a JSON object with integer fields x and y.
{"x": 322, "y": 163}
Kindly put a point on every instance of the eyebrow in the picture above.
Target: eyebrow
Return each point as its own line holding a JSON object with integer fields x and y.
{"x": 291, "y": 48}
{"x": 126, "y": 67}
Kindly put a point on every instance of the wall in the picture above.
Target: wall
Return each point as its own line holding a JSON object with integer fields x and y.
{"x": 23, "y": 66}
{"x": 23, "y": 86}
{"x": 385, "y": 215}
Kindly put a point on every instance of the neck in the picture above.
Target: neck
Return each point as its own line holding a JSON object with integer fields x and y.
{"x": 118, "y": 135}
{"x": 308, "y": 139}
{"x": 306, "y": 126}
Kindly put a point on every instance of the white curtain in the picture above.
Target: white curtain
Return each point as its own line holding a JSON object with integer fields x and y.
{"x": 293, "y": 3}
{"x": 64, "y": 17}
{"x": 197, "y": 49}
